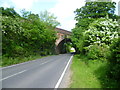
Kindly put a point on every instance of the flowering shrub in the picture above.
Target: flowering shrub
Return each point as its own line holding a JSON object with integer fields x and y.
{"x": 99, "y": 36}
{"x": 102, "y": 31}
{"x": 98, "y": 52}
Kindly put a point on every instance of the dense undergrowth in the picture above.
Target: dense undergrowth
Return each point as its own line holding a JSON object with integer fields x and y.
{"x": 91, "y": 74}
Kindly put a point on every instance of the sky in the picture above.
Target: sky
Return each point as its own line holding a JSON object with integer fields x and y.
{"x": 62, "y": 9}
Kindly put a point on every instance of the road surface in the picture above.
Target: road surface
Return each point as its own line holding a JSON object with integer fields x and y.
{"x": 40, "y": 73}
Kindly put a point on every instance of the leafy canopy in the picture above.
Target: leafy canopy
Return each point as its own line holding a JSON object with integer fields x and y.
{"x": 26, "y": 35}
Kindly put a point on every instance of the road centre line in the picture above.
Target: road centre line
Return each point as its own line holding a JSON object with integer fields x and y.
{"x": 19, "y": 64}
{"x": 20, "y": 72}
{"x": 13, "y": 75}
{"x": 44, "y": 63}
{"x": 59, "y": 81}
{"x": 62, "y": 75}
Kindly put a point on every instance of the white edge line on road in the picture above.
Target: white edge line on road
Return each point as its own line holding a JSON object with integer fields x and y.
{"x": 17, "y": 64}
{"x": 62, "y": 75}
{"x": 13, "y": 75}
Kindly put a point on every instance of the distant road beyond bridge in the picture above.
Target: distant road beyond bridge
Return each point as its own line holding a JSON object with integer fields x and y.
{"x": 62, "y": 37}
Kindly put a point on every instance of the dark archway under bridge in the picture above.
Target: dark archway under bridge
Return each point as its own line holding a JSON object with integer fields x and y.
{"x": 61, "y": 47}
{"x": 63, "y": 37}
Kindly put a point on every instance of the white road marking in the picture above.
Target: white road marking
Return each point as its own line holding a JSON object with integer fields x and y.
{"x": 17, "y": 64}
{"x": 61, "y": 77}
{"x": 13, "y": 75}
{"x": 44, "y": 63}
{"x": 17, "y": 73}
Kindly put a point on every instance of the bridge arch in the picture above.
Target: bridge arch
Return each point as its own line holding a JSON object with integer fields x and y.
{"x": 62, "y": 46}
{"x": 63, "y": 37}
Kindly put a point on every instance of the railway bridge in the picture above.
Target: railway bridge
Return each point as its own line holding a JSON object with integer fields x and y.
{"x": 63, "y": 36}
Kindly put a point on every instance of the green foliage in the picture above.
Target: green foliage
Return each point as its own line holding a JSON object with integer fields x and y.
{"x": 27, "y": 35}
{"x": 115, "y": 50}
{"x": 78, "y": 39}
{"x": 84, "y": 23}
{"x": 10, "y": 61}
{"x": 8, "y": 12}
{"x": 67, "y": 46}
{"x": 11, "y": 31}
{"x": 90, "y": 74}
{"x": 114, "y": 60}
{"x": 25, "y": 13}
{"x": 93, "y": 26}
{"x": 49, "y": 18}
{"x": 101, "y": 31}
{"x": 98, "y": 52}
{"x": 99, "y": 36}
{"x": 85, "y": 16}
{"x": 96, "y": 35}
{"x": 96, "y": 10}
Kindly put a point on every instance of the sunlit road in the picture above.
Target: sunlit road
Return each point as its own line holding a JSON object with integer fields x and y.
{"x": 40, "y": 73}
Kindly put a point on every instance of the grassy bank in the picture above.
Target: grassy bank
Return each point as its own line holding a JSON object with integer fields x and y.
{"x": 10, "y": 61}
{"x": 90, "y": 74}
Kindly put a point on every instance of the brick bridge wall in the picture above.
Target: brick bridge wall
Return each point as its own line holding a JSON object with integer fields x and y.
{"x": 61, "y": 35}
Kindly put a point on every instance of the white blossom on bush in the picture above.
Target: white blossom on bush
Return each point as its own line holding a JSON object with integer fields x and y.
{"x": 102, "y": 31}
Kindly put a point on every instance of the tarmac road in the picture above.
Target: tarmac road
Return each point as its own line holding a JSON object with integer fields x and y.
{"x": 40, "y": 73}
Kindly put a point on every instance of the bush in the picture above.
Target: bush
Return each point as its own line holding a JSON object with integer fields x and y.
{"x": 98, "y": 52}
{"x": 23, "y": 37}
{"x": 101, "y": 31}
{"x": 114, "y": 60}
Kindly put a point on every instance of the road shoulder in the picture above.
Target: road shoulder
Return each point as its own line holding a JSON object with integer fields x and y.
{"x": 66, "y": 81}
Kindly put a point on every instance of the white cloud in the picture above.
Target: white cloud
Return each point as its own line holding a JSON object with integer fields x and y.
{"x": 47, "y": 1}
{"x": 67, "y": 25}
{"x": 115, "y": 0}
{"x": 5, "y": 5}
{"x": 26, "y": 4}
{"x": 116, "y": 11}
{"x": 64, "y": 10}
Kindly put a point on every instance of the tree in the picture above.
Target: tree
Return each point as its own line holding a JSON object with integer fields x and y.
{"x": 49, "y": 18}
{"x": 95, "y": 10}
{"x": 25, "y": 13}
{"x": 87, "y": 15}
{"x": 99, "y": 37}
{"x": 27, "y": 35}
{"x": 9, "y": 12}
{"x": 102, "y": 31}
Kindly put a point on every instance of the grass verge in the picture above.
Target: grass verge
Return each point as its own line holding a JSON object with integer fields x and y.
{"x": 10, "y": 61}
{"x": 89, "y": 73}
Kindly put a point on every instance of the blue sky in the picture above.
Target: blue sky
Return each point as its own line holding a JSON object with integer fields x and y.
{"x": 62, "y": 9}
